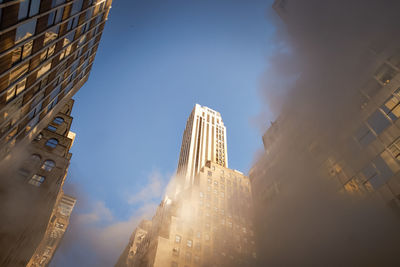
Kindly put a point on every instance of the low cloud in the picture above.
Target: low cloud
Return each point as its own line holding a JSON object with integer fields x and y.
{"x": 98, "y": 237}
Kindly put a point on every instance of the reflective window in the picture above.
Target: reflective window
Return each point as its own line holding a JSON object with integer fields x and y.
{"x": 189, "y": 243}
{"x": 50, "y": 35}
{"x": 55, "y": 17}
{"x": 55, "y": 3}
{"x": 52, "y": 142}
{"x": 378, "y": 122}
{"x": 52, "y": 128}
{"x": 28, "y": 8}
{"x": 178, "y": 239}
{"x": 25, "y": 31}
{"x": 48, "y": 165}
{"x": 45, "y": 68}
{"x": 36, "y": 180}
{"x": 76, "y": 7}
{"x": 58, "y": 120}
{"x": 15, "y": 90}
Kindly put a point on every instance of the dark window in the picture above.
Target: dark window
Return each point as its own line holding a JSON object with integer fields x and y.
{"x": 58, "y": 120}
{"x": 52, "y": 142}
{"x": 36, "y": 158}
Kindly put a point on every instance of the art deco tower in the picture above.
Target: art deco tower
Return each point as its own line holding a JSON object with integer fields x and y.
{"x": 204, "y": 139}
{"x": 208, "y": 221}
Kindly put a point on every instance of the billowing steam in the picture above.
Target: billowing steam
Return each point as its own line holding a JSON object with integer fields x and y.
{"x": 325, "y": 53}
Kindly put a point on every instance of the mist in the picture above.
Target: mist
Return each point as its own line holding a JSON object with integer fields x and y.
{"x": 325, "y": 53}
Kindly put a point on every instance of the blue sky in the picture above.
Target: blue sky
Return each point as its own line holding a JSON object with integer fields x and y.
{"x": 155, "y": 61}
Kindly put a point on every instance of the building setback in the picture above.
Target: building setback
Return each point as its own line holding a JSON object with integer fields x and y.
{"x": 55, "y": 231}
{"x": 47, "y": 48}
{"x": 208, "y": 221}
{"x": 34, "y": 185}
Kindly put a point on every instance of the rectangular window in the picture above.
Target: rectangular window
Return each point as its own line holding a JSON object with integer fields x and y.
{"x": 378, "y": 122}
{"x": 189, "y": 243}
{"x": 28, "y": 8}
{"x": 392, "y": 108}
{"x": 72, "y": 23}
{"x": 178, "y": 239}
{"x": 46, "y": 67}
{"x": 25, "y": 31}
{"x": 55, "y": 3}
{"x": 364, "y": 136}
{"x": 76, "y": 7}
{"x": 15, "y": 90}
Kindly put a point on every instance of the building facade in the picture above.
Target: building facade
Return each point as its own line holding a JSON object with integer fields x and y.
{"x": 204, "y": 139}
{"x": 30, "y": 193}
{"x": 55, "y": 231}
{"x": 209, "y": 222}
{"x": 47, "y": 48}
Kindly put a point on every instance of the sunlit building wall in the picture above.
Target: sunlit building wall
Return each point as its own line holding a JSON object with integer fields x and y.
{"x": 204, "y": 139}
{"x": 47, "y": 48}
{"x": 34, "y": 185}
{"x": 55, "y": 231}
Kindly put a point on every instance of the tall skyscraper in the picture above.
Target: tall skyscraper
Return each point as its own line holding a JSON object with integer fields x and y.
{"x": 47, "y": 48}
{"x": 204, "y": 139}
{"x": 209, "y": 222}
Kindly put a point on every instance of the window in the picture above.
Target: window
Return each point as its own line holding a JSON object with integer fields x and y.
{"x": 28, "y": 8}
{"x": 18, "y": 72}
{"x": 52, "y": 128}
{"x": 72, "y": 23}
{"x": 47, "y": 53}
{"x": 188, "y": 256}
{"x": 52, "y": 142}
{"x": 55, "y": 17}
{"x": 25, "y": 31}
{"x": 175, "y": 251}
{"x": 58, "y": 120}
{"x": 55, "y": 3}
{"x": 364, "y": 136}
{"x": 23, "y": 173}
{"x": 39, "y": 137}
{"x": 209, "y": 173}
{"x": 392, "y": 108}
{"x": 45, "y": 68}
{"x": 174, "y": 264}
{"x": 36, "y": 180}
{"x": 76, "y": 7}
{"x": 21, "y": 52}
{"x": 35, "y": 158}
{"x": 197, "y": 246}
{"x": 15, "y": 90}
{"x": 378, "y": 122}
{"x": 178, "y": 239}
{"x": 189, "y": 243}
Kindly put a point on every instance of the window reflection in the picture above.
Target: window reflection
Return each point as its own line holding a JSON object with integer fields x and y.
{"x": 25, "y": 31}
